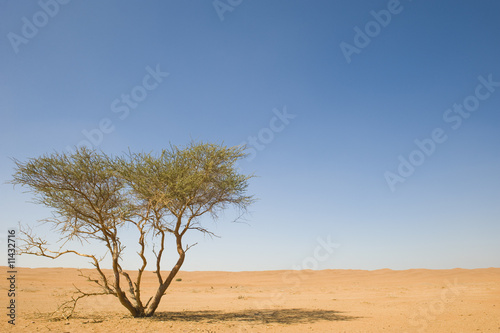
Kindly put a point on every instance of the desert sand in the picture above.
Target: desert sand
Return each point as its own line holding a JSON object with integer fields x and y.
{"x": 416, "y": 300}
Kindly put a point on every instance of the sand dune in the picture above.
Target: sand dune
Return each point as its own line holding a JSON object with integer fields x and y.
{"x": 416, "y": 300}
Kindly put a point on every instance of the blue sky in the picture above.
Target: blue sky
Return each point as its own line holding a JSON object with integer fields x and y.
{"x": 346, "y": 118}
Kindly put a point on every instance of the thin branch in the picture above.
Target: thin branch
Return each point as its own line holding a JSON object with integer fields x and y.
{"x": 68, "y": 308}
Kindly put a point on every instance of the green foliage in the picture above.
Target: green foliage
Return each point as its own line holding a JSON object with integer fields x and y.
{"x": 201, "y": 177}
{"x": 82, "y": 188}
{"x": 88, "y": 189}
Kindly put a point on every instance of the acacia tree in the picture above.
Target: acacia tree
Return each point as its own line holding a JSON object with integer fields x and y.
{"x": 95, "y": 198}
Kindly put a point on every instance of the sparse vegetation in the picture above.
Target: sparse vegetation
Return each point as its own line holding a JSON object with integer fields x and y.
{"x": 95, "y": 197}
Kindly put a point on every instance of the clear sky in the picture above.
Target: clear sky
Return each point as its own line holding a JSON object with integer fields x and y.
{"x": 374, "y": 124}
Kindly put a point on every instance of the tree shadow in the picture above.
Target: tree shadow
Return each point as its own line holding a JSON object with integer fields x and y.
{"x": 278, "y": 316}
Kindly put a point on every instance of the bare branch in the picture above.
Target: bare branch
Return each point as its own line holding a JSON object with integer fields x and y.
{"x": 190, "y": 246}
{"x": 67, "y": 308}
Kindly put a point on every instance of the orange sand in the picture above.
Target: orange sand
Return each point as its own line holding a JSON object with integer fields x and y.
{"x": 416, "y": 300}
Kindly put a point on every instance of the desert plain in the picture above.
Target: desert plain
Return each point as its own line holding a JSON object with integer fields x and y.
{"x": 415, "y": 300}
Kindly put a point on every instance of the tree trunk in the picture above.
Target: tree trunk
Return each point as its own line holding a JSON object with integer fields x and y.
{"x": 119, "y": 292}
{"x": 164, "y": 286}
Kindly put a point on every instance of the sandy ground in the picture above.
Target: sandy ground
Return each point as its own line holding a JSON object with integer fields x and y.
{"x": 416, "y": 300}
